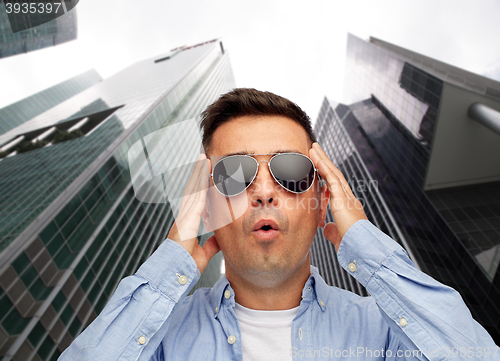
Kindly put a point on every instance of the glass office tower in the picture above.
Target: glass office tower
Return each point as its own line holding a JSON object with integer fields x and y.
{"x": 51, "y": 33}
{"x": 71, "y": 227}
{"x": 19, "y": 112}
{"x": 425, "y": 171}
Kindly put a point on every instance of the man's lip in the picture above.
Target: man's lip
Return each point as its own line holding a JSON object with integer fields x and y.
{"x": 266, "y": 235}
{"x": 265, "y": 222}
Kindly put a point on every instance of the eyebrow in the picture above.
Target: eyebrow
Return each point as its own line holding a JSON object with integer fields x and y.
{"x": 253, "y": 153}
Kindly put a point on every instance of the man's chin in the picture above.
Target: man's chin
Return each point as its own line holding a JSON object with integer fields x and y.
{"x": 268, "y": 268}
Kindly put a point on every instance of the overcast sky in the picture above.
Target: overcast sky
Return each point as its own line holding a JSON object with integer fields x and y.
{"x": 293, "y": 48}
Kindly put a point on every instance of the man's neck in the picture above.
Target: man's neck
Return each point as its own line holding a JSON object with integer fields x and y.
{"x": 281, "y": 296}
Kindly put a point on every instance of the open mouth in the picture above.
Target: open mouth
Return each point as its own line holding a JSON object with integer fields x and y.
{"x": 266, "y": 229}
{"x": 266, "y": 233}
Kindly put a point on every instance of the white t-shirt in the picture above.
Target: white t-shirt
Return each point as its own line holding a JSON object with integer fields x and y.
{"x": 265, "y": 335}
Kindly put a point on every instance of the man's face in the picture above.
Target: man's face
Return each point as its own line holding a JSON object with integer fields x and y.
{"x": 297, "y": 215}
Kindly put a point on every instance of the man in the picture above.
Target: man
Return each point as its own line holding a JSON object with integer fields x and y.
{"x": 261, "y": 156}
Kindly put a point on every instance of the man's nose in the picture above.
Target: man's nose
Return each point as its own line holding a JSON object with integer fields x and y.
{"x": 264, "y": 188}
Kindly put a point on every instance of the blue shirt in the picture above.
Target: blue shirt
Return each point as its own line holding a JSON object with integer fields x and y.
{"x": 408, "y": 316}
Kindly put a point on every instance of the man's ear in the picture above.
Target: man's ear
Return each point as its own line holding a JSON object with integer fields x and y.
{"x": 324, "y": 199}
{"x": 207, "y": 221}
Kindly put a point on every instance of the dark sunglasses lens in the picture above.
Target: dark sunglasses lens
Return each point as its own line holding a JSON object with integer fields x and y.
{"x": 293, "y": 171}
{"x": 232, "y": 175}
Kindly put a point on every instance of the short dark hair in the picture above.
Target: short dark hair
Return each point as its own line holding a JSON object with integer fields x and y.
{"x": 246, "y": 101}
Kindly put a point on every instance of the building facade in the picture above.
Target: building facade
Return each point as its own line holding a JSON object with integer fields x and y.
{"x": 71, "y": 225}
{"x": 52, "y": 31}
{"x": 422, "y": 166}
{"x": 19, "y": 112}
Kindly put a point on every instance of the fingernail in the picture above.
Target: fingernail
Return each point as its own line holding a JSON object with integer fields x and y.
{"x": 318, "y": 144}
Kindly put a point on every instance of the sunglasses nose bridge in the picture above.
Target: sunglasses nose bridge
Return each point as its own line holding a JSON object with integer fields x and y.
{"x": 265, "y": 185}
{"x": 258, "y": 166}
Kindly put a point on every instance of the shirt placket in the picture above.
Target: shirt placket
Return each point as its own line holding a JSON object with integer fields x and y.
{"x": 302, "y": 324}
{"x": 230, "y": 328}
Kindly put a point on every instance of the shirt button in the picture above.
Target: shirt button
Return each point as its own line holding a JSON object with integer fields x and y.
{"x": 183, "y": 280}
{"x": 227, "y": 294}
{"x": 231, "y": 339}
{"x": 403, "y": 322}
{"x": 142, "y": 340}
{"x": 352, "y": 266}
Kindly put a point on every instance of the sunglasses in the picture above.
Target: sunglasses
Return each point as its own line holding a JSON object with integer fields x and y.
{"x": 293, "y": 171}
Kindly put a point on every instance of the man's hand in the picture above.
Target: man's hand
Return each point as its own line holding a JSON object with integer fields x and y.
{"x": 346, "y": 208}
{"x": 185, "y": 228}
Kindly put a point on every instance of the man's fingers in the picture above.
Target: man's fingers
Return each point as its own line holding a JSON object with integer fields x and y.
{"x": 321, "y": 155}
{"x": 198, "y": 188}
{"x": 200, "y": 197}
{"x": 338, "y": 195}
{"x": 193, "y": 180}
{"x": 332, "y": 180}
{"x": 188, "y": 220}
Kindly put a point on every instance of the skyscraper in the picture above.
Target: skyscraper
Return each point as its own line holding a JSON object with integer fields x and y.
{"x": 418, "y": 144}
{"x": 51, "y": 33}
{"x": 71, "y": 226}
{"x": 19, "y": 112}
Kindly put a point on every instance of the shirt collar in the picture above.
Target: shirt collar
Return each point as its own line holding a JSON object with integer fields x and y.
{"x": 315, "y": 289}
